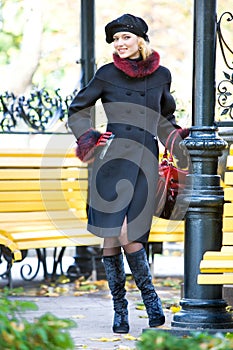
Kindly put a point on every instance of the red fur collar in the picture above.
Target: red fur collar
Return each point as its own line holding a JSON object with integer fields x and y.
{"x": 137, "y": 69}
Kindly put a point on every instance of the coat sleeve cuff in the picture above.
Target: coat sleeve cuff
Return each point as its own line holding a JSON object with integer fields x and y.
{"x": 86, "y": 144}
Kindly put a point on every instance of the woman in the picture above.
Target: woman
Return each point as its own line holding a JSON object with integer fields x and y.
{"x": 135, "y": 92}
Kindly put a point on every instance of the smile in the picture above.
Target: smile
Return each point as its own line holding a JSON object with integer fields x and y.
{"x": 122, "y": 50}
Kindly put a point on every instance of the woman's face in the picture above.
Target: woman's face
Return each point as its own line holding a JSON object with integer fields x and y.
{"x": 126, "y": 45}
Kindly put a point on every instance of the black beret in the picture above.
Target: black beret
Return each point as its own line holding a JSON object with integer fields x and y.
{"x": 126, "y": 23}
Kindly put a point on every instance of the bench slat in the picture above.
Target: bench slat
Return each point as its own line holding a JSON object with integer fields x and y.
{"x": 215, "y": 266}
{"x": 16, "y": 196}
{"x": 227, "y": 238}
{"x": 165, "y": 237}
{"x": 215, "y": 279}
{"x": 40, "y": 216}
{"x": 228, "y": 194}
{"x": 52, "y": 233}
{"x": 23, "y": 174}
{"x": 228, "y": 178}
{"x": 228, "y": 209}
{"x": 33, "y": 185}
{"x": 215, "y": 255}
{"x": 231, "y": 150}
{"x": 162, "y": 225}
{"x": 38, "y": 162}
{"x": 228, "y": 224}
{"x": 77, "y": 240}
{"x": 226, "y": 249}
{"x": 36, "y": 226}
{"x": 29, "y": 206}
{"x": 229, "y": 162}
{"x": 37, "y": 152}
{"x": 166, "y": 231}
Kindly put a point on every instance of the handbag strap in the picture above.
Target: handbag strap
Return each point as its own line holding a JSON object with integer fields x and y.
{"x": 172, "y": 145}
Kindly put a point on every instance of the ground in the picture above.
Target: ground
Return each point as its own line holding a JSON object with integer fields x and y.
{"x": 89, "y": 304}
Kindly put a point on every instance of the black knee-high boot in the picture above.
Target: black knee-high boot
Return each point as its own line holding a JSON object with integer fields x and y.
{"x": 115, "y": 272}
{"x": 140, "y": 269}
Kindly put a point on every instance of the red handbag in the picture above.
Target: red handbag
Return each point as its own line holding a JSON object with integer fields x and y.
{"x": 171, "y": 183}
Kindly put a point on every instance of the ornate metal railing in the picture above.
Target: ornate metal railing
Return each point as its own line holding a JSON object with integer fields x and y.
{"x": 42, "y": 110}
{"x": 39, "y": 112}
{"x": 225, "y": 87}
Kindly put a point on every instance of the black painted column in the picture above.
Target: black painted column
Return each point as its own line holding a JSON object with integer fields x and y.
{"x": 88, "y": 67}
{"x": 202, "y": 306}
{"x": 87, "y": 40}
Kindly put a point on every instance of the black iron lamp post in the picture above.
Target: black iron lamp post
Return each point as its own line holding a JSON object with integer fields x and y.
{"x": 86, "y": 257}
{"x": 202, "y": 306}
{"x": 87, "y": 40}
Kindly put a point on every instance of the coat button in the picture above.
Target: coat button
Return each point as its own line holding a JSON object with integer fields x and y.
{"x": 128, "y": 93}
{"x": 128, "y": 127}
{"x": 142, "y": 94}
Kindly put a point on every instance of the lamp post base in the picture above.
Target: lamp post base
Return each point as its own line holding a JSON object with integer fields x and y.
{"x": 203, "y": 315}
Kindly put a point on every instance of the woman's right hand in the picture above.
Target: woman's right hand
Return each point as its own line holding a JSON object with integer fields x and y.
{"x": 88, "y": 143}
{"x": 103, "y": 139}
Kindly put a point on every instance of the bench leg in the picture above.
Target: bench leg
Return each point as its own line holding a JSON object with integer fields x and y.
{"x": 42, "y": 256}
{"x": 42, "y": 259}
{"x": 7, "y": 275}
{"x": 30, "y": 278}
{"x": 7, "y": 255}
{"x": 57, "y": 261}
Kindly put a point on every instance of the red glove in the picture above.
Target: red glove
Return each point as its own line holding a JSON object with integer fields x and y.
{"x": 87, "y": 143}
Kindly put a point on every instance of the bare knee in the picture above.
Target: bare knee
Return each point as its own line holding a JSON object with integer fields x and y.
{"x": 111, "y": 247}
{"x": 132, "y": 247}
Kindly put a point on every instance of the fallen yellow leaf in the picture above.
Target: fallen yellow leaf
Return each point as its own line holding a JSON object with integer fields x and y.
{"x": 129, "y": 337}
{"x": 103, "y": 339}
{"x": 61, "y": 290}
{"x": 78, "y": 316}
{"x": 140, "y": 307}
{"x": 63, "y": 279}
{"x": 51, "y": 294}
{"x": 175, "y": 309}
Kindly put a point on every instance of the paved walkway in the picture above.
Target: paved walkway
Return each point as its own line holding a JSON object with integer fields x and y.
{"x": 93, "y": 311}
{"x": 93, "y": 314}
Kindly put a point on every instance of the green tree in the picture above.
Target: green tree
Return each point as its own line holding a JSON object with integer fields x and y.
{"x": 20, "y": 42}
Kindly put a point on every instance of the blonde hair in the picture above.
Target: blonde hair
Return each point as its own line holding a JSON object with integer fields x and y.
{"x": 144, "y": 48}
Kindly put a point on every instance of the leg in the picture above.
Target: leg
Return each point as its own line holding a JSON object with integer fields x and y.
{"x": 115, "y": 273}
{"x": 140, "y": 269}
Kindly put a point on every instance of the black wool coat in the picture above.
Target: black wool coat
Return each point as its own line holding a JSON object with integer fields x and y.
{"x": 139, "y": 110}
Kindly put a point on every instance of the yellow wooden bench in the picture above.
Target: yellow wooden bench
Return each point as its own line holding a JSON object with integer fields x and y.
{"x": 43, "y": 204}
{"x": 217, "y": 266}
{"x": 166, "y": 231}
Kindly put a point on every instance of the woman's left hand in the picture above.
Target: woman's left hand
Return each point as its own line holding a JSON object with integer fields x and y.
{"x": 183, "y": 133}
